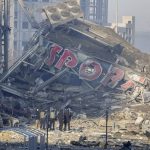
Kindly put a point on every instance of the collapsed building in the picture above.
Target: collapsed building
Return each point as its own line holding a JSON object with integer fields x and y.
{"x": 69, "y": 56}
{"x": 71, "y": 61}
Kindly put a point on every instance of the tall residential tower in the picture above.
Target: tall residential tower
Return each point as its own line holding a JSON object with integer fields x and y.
{"x": 126, "y": 28}
{"x": 95, "y": 10}
{"x": 23, "y": 30}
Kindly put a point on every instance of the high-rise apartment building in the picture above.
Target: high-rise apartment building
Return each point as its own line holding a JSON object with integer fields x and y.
{"x": 95, "y": 10}
{"x": 6, "y": 32}
{"x": 1, "y": 34}
{"x": 126, "y": 28}
{"x": 23, "y": 30}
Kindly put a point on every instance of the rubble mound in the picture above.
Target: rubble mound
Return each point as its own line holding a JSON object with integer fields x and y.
{"x": 73, "y": 62}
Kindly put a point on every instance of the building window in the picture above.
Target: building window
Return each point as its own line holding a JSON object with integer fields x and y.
{"x": 15, "y": 45}
{"x": 92, "y": 2}
{"x": 15, "y": 24}
{"x": 34, "y": 0}
{"x": 130, "y": 31}
{"x": 129, "y": 39}
{"x": 45, "y": 0}
{"x": 16, "y": 14}
{"x": 124, "y": 35}
{"x": 91, "y": 17}
{"x": 91, "y": 10}
{"x": 24, "y": 43}
{"x": 126, "y": 30}
{"x": 129, "y": 22}
{"x": 25, "y": 25}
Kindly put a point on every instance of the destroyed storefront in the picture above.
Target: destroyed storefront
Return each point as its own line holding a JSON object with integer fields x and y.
{"x": 73, "y": 61}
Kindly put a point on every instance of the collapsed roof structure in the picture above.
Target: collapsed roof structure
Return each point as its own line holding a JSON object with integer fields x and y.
{"x": 72, "y": 60}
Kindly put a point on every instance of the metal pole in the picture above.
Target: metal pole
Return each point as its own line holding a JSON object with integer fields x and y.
{"x": 47, "y": 120}
{"x": 106, "y": 129}
{"x": 6, "y": 32}
{"x": 116, "y": 16}
{"x": 1, "y": 8}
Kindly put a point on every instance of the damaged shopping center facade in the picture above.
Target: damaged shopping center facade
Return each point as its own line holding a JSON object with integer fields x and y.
{"x": 70, "y": 58}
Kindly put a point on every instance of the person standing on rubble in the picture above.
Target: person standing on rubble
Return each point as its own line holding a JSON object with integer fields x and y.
{"x": 60, "y": 117}
{"x": 52, "y": 119}
{"x": 42, "y": 120}
{"x": 1, "y": 121}
{"x": 127, "y": 146}
{"x": 67, "y": 118}
{"x": 37, "y": 117}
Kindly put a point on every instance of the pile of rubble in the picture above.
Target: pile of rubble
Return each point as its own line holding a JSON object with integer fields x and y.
{"x": 71, "y": 61}
{"x": 88, "y": 133}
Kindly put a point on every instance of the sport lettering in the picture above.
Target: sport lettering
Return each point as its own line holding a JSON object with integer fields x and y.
{"x": 54, "y": 50}
{"x": 90, "y": 70}
{"x": 68, "y": 59}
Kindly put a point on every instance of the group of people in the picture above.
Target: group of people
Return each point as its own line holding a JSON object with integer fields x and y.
{"x": 48, "y": 118}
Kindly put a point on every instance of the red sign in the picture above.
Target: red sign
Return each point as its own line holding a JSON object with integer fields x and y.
{"x": 137, "y": 78}
{"x": 129, "y": 84}
{"x": 113, "y": 77}
{"x": 88, "y": 69}
{"x": 68, "y": 59}
{"x": 53, "y": 52}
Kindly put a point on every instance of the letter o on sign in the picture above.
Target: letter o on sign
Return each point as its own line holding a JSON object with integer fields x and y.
{"x": 90, "y": 70}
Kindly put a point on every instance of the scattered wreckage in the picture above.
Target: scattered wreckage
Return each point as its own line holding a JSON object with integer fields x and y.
{"x": 71, "y": 58}
{"x": 71, "y": 54}
{"x": 72, "y": 61}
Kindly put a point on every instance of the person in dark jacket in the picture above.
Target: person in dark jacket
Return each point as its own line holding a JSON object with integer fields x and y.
{"x": 60, "y": 117}
{"x": 127, "y": 146}
{"x": 1, "y": 121}
{"x": 67, "y": 118}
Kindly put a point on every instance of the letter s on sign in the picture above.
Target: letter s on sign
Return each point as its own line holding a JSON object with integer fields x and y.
{"x": 68, "y": 59}
{"x": 90, "y": 70}
{"x": 54, "y": 50}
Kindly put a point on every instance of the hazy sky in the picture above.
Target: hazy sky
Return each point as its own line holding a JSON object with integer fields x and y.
{"x": 138, "y": 8}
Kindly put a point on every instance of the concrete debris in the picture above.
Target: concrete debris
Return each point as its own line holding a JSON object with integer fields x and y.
{"x": 14, "y": 122}
{"x": 82, "y": 116}
{"x": 83, "y": 141}
{"x": 139, "y": 121}
{"x": 146, "y": 126}
{"x": 71, "y": 61}
{"x": 146, "y": 96}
